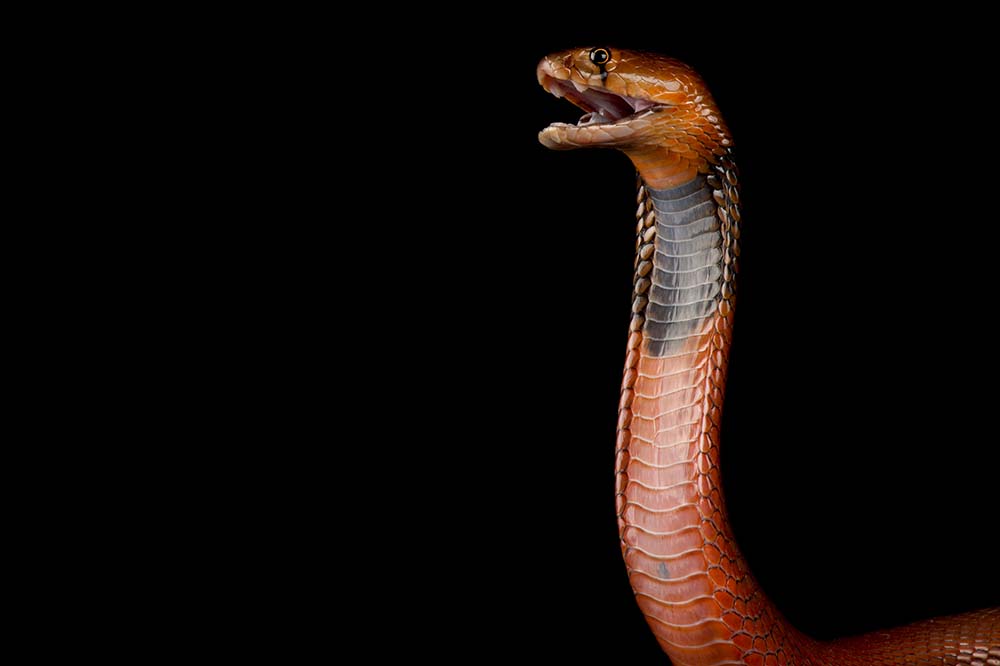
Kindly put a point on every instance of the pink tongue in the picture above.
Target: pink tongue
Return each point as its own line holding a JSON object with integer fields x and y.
{"x": 609, "y": 106}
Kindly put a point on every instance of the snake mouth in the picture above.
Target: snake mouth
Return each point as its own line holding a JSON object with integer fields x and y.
{"x": 602, "y": 106}
{"x": 608, "y": 119}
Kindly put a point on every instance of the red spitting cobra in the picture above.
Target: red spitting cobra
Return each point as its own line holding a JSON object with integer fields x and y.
{"x": 689, "y": 578}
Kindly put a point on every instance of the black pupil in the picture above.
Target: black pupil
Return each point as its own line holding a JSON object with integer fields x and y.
{"x": 599, "y": 56}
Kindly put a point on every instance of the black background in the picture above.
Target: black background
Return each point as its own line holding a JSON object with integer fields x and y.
{"x": 859, "y": 447}
{"x": 382, "y": 178}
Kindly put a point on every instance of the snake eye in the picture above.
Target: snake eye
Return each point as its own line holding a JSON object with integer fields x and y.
{"x": 600, "y": 56}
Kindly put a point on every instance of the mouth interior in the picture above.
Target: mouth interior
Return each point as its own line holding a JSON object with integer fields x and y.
{"x": 602, "y": 106}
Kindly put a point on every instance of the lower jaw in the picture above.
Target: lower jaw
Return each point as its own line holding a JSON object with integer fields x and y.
{"x": 597, "y": 135}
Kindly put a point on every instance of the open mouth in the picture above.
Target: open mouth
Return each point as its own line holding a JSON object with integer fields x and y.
{"x": 602, "y": 107}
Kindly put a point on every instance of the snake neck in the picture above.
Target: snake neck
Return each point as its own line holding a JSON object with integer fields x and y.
{"x": 689, "y": 578}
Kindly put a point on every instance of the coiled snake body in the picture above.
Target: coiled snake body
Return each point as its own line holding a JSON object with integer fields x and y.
{"x": 686, "y": 570}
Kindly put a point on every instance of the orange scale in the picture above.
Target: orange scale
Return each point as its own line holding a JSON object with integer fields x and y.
{"x": 719, "y": 577}
{"x": 743, "y": 641}
{"x": 724, "y": 599}
{"x": 732, "y": 620}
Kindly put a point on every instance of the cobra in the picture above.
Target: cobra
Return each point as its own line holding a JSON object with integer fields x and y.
{"x": 689, "y": 578}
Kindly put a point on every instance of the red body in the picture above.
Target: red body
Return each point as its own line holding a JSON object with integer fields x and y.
{"x": 689, "y": 578}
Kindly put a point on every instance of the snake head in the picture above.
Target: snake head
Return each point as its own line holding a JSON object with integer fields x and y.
{"x": 633, "y": 101}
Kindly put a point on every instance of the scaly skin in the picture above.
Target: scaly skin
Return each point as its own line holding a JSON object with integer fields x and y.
{"x": 689, "y": 578}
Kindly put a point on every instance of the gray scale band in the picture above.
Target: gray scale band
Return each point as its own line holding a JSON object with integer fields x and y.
{"x": 687, "y": 266}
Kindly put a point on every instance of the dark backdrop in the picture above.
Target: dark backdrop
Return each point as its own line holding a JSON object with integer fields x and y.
{"x": 858, "y": 443}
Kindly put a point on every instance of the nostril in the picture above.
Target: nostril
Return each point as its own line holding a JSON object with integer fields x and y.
{"x": 568, "y": 62}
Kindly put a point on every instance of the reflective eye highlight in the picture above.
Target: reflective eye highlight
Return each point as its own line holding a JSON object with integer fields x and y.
{"x": 600, "y": 56}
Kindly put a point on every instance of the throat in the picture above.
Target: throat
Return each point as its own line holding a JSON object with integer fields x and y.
{"x": 680, "y": 255}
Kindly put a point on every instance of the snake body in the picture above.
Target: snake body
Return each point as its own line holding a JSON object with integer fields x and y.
{"x": 690, "y": 580}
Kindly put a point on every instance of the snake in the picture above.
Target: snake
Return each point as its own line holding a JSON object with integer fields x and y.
{"x": 690, "y": 580}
